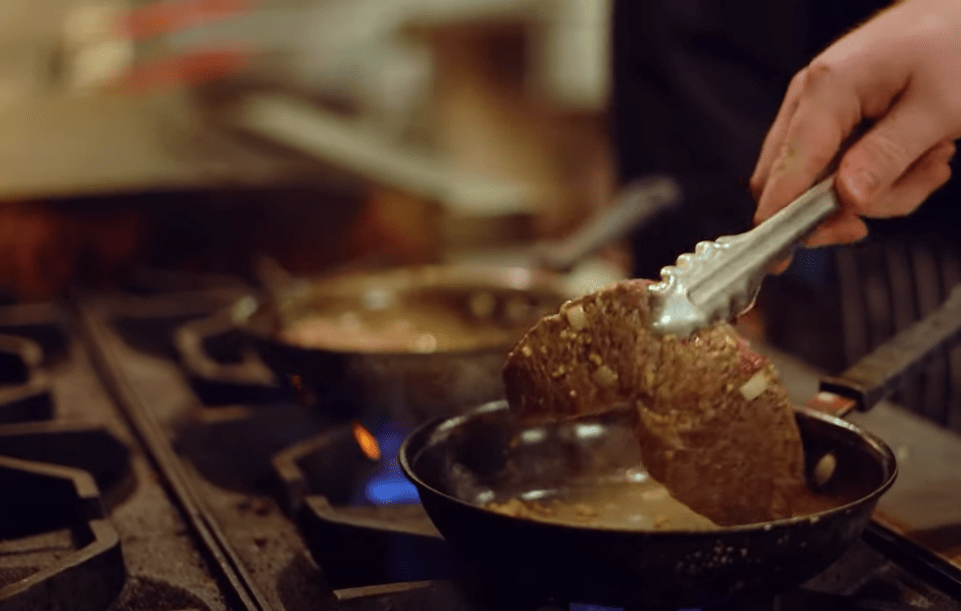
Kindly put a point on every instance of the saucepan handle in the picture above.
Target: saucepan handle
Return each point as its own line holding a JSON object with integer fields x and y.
{"x": 876, "y": 376}
{"x": 637, "y": 203}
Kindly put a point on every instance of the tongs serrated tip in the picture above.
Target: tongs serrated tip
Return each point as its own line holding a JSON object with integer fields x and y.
{"x": 720, "y": 280}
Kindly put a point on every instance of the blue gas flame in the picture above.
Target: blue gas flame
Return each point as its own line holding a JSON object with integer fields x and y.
{"x": 388, "y": 486}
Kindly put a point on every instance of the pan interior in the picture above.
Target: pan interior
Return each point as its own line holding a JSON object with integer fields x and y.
{"x": 593, "y": 467}
{"x": 407, "y": 311}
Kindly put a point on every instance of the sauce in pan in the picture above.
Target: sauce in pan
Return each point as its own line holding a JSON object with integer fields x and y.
{"x": 417, "y": 324}
{"x": 631, "y": 503}
{"x": 352, "y": 333}
{"x": 645, "y": 505}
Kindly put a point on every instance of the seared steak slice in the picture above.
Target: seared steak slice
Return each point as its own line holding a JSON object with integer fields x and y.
{"x": 715, "y": 425}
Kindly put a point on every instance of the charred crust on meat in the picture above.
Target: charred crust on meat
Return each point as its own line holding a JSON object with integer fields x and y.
{"x": 701, "y": 431}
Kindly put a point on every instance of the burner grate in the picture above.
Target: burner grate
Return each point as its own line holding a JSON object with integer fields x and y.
{"x": 235, "y": 453}
{"x": 24, "y": 388}
{"x": 57, "y": 547}
{"x": 323, "y": 480}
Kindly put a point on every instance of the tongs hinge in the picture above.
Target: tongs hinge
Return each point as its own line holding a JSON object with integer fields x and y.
{"x": 721, "y": 278}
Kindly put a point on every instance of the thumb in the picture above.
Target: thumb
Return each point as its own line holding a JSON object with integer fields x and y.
{"x": 885, "y": 153}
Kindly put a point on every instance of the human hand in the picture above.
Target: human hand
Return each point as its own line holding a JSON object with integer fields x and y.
{"x": 901, "y": 70}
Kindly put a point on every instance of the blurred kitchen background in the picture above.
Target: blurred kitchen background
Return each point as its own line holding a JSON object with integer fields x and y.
{"x": 203, "y": 136}
{"x": 324, "y": 133}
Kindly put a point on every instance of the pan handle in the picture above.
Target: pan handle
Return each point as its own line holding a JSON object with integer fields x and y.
{"x": 637, "y": 203}
{"x": 875, "y": 376}
{"x": 223, "y": 383}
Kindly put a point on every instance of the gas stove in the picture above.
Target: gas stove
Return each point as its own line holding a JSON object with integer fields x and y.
{"x": 150, "y": 463}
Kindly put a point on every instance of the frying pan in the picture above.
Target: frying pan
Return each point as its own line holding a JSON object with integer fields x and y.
{"x": 460, "y": 464}
{"x": 412, "y": 387}
{"x": 409, "y": 386}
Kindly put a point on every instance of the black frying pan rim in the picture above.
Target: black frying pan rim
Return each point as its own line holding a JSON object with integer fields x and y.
{"x": 437, "y": 424}
{"x": 538, "y": 279}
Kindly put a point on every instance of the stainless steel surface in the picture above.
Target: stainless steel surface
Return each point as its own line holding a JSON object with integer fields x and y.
{"x": 349, "y": 147}
{"x": 721, "y": 278}
{"x": 59, "y": 145}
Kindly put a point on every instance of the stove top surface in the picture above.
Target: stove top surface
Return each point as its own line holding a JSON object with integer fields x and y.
{"x": 136, "y": 481}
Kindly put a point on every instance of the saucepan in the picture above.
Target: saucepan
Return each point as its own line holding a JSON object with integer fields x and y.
{"x": 461, "y": 465}
{"x": 420, "y": 342}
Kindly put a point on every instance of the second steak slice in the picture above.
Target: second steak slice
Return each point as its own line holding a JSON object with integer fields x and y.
{"x": 715, "y": 424}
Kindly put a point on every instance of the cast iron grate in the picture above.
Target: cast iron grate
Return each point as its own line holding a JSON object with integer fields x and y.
{"x": 24, "y": 387}
{"x": 58, "y": 550}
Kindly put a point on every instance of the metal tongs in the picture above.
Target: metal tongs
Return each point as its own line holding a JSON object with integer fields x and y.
{"x": 721, "y": 279}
